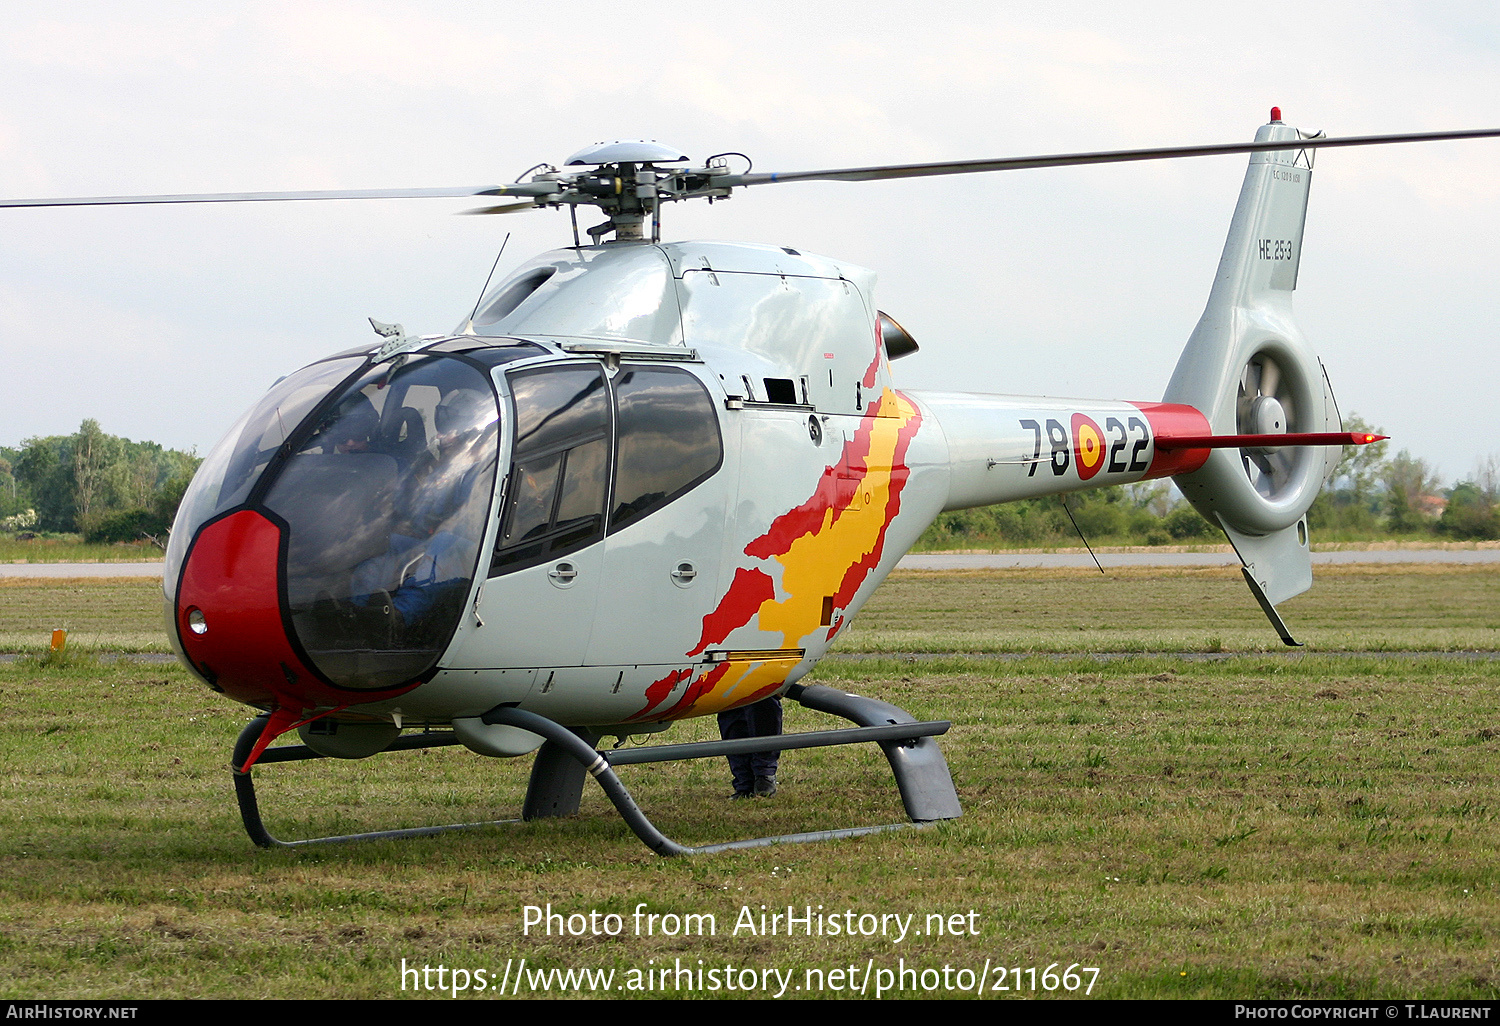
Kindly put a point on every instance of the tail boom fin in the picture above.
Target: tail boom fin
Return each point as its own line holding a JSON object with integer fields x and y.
{"x": 1249, "y": 370}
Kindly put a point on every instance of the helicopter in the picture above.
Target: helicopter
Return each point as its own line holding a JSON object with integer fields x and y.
{"x": 646, "y": 480}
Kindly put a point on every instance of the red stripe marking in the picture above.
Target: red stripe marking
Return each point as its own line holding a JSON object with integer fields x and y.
{"x": 751, "y": 588}
{"x": 747, "y": 591}
{"x": 900, "y": 472}
{"x": 658, "y": 690}
{"x": 1174, "y": 419}
{"x": 755, "y": 696}
{"x": 870, "y": 371}
{"x": 696, "y": 690}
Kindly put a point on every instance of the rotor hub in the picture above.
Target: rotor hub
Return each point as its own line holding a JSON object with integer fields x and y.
{"x": 1267, "y": 416}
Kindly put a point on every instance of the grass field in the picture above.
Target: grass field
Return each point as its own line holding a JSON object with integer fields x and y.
{"x": 1358, "y": 607}
{"x": 73, "y": 549}
{"x": 1241, "y": 824}
{"x": 100, "y": 614}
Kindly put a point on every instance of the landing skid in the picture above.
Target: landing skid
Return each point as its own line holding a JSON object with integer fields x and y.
{"x": 568, "y": 756}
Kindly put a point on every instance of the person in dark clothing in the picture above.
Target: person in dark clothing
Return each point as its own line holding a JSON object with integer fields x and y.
{"x": 754, "y": 774}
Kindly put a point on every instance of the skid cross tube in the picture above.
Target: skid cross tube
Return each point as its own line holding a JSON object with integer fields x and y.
{"x": 891, "y": 735}
{"x": 568, "y": 755}
{"x": 777, "y": 743}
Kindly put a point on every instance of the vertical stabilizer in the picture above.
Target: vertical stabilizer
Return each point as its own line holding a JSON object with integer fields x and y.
{"x": 1248, "y": 369}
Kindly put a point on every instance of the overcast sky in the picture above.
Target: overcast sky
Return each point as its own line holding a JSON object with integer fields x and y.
{"x": 166, "y": 323}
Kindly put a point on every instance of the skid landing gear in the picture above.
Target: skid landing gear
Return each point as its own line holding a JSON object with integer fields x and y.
{"x": 567, "y": 757}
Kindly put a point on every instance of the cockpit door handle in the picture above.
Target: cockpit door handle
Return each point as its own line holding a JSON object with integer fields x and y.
{"x": 563, "y": 573}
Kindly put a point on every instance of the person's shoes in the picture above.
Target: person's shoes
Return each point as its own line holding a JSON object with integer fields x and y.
{"x": 765, "y": 787}
{"x": 741, "y": 794}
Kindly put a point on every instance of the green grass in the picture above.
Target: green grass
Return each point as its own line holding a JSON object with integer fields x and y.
{"x": 1374, "y": 607}
{"x": 1366, "y": 607}
{"x": 1257, "y": 825}
{"x": 99, "y": 614}
{"x": 73, "y": 549}
{"x": 1066, "y": 538}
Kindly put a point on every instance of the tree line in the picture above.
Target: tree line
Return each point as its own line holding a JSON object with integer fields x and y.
{"x": 1371, "y": 495}
{"x": 102, "y": 486}
{"x": 1374, "y": 492}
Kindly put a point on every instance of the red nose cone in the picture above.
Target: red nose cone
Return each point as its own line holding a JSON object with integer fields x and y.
{"x": 229, "y": 615}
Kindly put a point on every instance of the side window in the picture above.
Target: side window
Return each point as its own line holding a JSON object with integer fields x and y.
{"x": 668, "y": 439}
{"x": 555, "y": 499}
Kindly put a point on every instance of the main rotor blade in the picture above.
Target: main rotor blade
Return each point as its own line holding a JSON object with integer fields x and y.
{"x": 966, "y": 167}
{"x": 503, "y": 208}
{"x": 517, "y": 189}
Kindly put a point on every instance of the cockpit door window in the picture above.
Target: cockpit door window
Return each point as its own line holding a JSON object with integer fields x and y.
{"x": 647, "y": 437}
{"x": 560, "y": 472}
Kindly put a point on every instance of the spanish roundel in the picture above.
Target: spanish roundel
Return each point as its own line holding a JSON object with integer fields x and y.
{"x": 1088, "y": 446}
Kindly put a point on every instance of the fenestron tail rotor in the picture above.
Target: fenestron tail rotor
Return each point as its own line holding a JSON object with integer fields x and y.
{"x": 1263, "y": 407}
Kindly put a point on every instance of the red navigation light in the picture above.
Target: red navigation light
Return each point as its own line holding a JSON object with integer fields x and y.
{"x": 1275, "y": 114}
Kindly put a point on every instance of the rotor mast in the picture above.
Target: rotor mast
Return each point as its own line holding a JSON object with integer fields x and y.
{"x": 626, "y": 182}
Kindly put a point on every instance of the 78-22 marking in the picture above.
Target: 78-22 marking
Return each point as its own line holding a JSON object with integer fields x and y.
{"x": 1133, "y": 432}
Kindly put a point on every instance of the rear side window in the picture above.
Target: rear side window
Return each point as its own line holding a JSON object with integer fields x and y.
{"x": 668, "y": 439}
